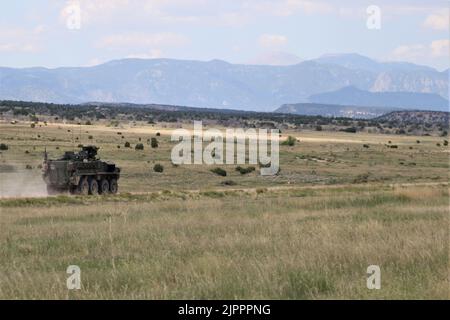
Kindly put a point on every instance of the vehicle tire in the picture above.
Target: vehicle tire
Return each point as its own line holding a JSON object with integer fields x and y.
{"x": 113, "y": 186}
{"x": 104, "y": 186}
{"x": 83, "y": 187}
{"x": 93, "y": 187}
{"x": 73, "y": 190}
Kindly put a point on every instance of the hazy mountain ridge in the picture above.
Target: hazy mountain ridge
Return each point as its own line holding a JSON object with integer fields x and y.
{"x": 404, "y": 100}
{"x": 214, "y": 84}
{"x": 333, "y": 110}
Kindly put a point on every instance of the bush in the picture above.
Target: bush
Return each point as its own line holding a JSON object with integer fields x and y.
{"x": 445, "y": 143}
{"x": 349, "y": 130}
{"x": 33, "y": 126}
{"x": 228, "y": 183}
{"x": 219, "y": 172}
{"x": 319, "y": 128}
{"x": 158, "y": 134}
{"x": 394, "y": 147}
{"x": 245, "y": 170}
{"x": 154, "y": 143}
{"x": 3, "y": 146}
{"x": 139, "y": 146}
{"x": 90, "y": 137}
{"x": 28, "y": 167}
{"x": 158, "y": 168}
{"x": 290, "y": 141}
{"x": 366, "y": 146}
{"x": 88, "y": 123}
{"x": 127, "y": 145}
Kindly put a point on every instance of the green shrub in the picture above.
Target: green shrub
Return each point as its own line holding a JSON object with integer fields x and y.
{"x": 228, "y": 183}
{"x": 139, "y": 146}
{"x": 219, "y": 172}
{"x": 158, "y": 168}
{"x": 154, "y": 143}
{"x": 247, "y": 170}
{"x": 290, "y": 141}
{"x": 445, "y": 142}
{"x": 127, "y": 145}
{"x": 349, "y": 130}
{"x": 3, "y": 146}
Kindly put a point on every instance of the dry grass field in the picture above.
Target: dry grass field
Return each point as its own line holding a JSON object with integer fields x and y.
{"x": 340, "y": 203}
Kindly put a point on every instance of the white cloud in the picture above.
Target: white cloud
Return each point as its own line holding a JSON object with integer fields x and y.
{"x": 438, "y": 21}
{"x": 288, "y": 7}
{"x": 420, "y": 52}
{"x": 152, "y": 54}
{"x": 142, "y": 40}
{"x": 440, "y": 48}
{"x": 272, "y": 40}
{"x": 20, "y": 40}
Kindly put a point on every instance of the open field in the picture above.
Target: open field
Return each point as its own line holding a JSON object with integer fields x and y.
{"x": 318, "y": 158}
{"x": 310, "y": 232}
{"x": 293, "y": 244}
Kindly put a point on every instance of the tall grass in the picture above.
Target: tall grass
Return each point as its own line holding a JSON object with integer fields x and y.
{"x": 309, "y": 244}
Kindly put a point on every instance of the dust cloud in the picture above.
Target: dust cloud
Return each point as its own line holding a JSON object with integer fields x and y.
{"x": 21, "y": 183}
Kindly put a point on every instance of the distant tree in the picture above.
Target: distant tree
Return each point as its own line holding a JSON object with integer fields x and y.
{"x": 154, "y": 143}
{"x": 219, "y": 172}
{"x": 158, "y": 168}
{"x": 139, "y": 146}
{"x": 290, "y": 141}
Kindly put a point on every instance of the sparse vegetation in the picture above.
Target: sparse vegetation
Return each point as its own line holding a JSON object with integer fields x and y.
{"x": 290, "y": 141}
{"x": 154, "y": 143}
{"x": 158, "y": 168}
{"x": 219, "y": 172}
{"x": 244, "y": 171}
{"x": 139, "y": 146}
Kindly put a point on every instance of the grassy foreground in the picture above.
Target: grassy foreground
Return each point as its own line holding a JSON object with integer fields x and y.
{"x": 293, "y": 243}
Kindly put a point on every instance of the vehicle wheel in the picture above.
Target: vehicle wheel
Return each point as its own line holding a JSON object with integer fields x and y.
{"x": 73, "y": 190}
{"x": 104, "y": 186}
{"x": 113, "y": 187}
{"x": 83, "y": 187}
{"x": 93, "y": 187}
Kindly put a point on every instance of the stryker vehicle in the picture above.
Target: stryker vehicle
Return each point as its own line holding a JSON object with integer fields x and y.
{"x": 80, "y": 173}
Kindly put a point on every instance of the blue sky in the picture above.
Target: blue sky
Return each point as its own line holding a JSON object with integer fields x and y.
{"x": 51, "y": 33}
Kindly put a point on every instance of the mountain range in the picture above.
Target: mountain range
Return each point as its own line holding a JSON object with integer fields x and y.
{"x": 218, "y": 84}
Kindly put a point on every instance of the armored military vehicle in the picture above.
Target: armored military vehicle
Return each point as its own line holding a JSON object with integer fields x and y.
{"x": 80, "y": 173}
